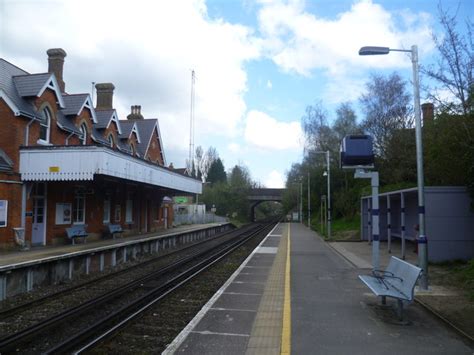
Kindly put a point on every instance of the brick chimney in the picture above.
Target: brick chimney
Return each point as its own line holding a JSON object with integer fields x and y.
{"x": 427, "y": 110}
{"x": 136, "y": 113}
{"x": 55, "y": 65}
{"x": 105, "y": 96}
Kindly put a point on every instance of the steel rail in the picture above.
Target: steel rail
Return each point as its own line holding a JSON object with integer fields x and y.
{"x": 131, "y": 311}
{"x": 13, "y": 340}
{"x": 39, "y": 301}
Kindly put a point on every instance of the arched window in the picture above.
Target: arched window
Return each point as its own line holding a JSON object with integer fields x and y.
{"x": 84, "y": 133}
{"x": 110, "y": 138}
{"x": 45, "y": 125}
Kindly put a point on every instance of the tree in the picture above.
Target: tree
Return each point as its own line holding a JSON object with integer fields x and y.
{"x": 346, "y": 122}
{"x": 318, "y": 133}
{"x": 210, "y": 156}
{"x": 216, "y": 172}
{"x": 386, "y": 105}
{"x": 198, "y": 161}
{"x": 455, "y": 65}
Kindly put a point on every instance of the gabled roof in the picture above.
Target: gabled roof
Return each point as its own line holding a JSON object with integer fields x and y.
{"x": 29, "y": 85}
{"x": 128, "y": 128}
{"x": 76, "y": 103}
{"x": 66, "y": 124}
{"x": 105, "y": 117}
{"x": 9, "y": 93}
{"x": 147, "y": 127}
{"x": 6, "y": 164}
{"x": 97, "y": 136}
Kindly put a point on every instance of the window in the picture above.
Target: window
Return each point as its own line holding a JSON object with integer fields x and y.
{"x": 3, "y": 213}
{"x": 110, "y": 138}
{"x": 129, "y": 208}
{"x": 84, "y": 133}
{"x": 45, "y": 124}
{"x": 79, "y": 211}
{"x": 106, "y": 217}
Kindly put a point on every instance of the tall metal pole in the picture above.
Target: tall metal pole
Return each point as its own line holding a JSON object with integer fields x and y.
{"x": 422, "y": 241}
{"x": 301, "y": 202}
{"x": 329, "y": 195}
{"x": 191, "y": 123}
{"x": 309, "y": 203}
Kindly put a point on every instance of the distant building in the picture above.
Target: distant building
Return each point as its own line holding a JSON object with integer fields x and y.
{"x": 64, "y": 161}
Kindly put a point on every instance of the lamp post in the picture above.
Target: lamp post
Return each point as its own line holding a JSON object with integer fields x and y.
{"x": 309, "y": 203}
{"x": 328, "y": 174}
{"x": 301, "y": 202}
{"x": 422, "y": 241}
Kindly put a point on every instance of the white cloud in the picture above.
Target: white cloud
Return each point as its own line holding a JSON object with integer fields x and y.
{"x": 299, "y": 41}
{"x": 275, "y": 180}
{"x": 269, "y": 84}
{"x": 147, "y": 49}
{"x": 234, "y": 147}
{"x": 266, "y": 132}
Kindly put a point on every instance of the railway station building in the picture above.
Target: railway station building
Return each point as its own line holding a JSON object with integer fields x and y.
{"x": 64, "y": 161}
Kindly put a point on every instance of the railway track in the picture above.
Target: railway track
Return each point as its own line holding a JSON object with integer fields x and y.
{"x": 71, "y": 329}
{"x": 16, "y": 309}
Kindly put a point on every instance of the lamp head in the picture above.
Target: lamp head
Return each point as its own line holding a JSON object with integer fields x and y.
{"x": 371, "y": 50}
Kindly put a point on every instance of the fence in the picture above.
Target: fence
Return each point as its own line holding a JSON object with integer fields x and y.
{"x": 197, "y": 218}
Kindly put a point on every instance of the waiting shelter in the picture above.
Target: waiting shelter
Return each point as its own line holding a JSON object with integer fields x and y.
{"x": 449, "y": 220}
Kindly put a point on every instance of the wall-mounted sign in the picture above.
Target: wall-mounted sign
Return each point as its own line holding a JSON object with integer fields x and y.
{"x": 180, "y": 199}
{"x": 3, "y": 213}
{"x": 54, "y": 169}
{"x": 63, "y": 213}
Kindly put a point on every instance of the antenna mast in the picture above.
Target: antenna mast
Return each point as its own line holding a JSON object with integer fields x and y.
{"x": 191, "y": 123}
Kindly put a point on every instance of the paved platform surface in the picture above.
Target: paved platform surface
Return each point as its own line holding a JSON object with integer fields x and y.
{"x": 326, "y": 310}
{"x": 35, "y": 253}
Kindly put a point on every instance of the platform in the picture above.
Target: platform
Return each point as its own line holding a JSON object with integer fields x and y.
{"x": 22, "y": 271}
{"x": 304, "y": 297}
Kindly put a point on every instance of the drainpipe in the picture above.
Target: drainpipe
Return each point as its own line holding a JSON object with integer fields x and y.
{"x": 67, "y": 139}
{"x": 27, "y": 131}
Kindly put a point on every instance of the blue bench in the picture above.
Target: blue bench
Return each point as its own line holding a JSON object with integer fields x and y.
{"x": 115, "y": 229}
{"x": 77, "y": 231}
{"x": 397, "y": 281}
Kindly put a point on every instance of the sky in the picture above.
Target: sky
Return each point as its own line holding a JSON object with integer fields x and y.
{"x": 258, "y": 63}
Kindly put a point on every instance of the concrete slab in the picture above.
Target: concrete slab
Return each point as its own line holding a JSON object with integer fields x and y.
{"x": 254, "y": 277}
{"x": 214, "y": 344}
{"x": 232, "y": 301}
{"x": 267, "y": 250}
{"x": 246, "y": 287}
{"x": 227, "y": 321}
{"x": 334, "y": 313}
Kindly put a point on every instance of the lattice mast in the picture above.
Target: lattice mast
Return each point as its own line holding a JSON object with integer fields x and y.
{"x": 191, "y": 123}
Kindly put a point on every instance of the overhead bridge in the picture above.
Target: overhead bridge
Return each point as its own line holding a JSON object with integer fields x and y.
{"x": 257, "y": 196}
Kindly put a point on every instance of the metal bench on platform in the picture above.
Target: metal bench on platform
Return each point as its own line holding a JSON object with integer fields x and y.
{"x": 397, "y": 281}
{"x": 115, "y": 229}
{"x": 77, "y": 231}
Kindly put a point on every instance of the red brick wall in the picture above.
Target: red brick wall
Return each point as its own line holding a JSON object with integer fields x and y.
{"x": 12, "y": 131}
{"x": 154, "y": 150}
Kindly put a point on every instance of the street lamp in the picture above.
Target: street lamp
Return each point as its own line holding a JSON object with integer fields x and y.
{"x": 328, "y": 174}
{"x": 422, "y": 246}
{"x": 309, "y": 203}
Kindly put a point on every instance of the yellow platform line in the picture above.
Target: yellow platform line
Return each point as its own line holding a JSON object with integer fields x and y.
{"x": 286, "y": 329}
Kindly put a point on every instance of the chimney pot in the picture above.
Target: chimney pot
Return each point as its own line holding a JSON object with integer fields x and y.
{"x": 105, "y": 96}
{"x": 428, "y": 112}
{"x": 135, "y": 113}
{"x": 56, "y": 64}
